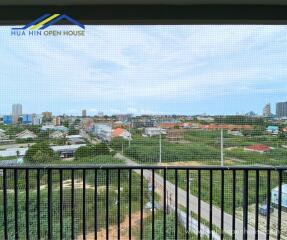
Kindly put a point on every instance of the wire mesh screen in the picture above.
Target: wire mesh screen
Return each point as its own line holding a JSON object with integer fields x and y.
{"x": 185, "y": 94}
{"x": 143, "y": 132}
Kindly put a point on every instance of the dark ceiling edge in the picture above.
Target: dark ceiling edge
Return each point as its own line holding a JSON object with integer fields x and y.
{"x": 151, "y": 14}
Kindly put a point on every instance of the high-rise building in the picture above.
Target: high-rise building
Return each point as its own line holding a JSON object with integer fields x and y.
{"x": 7, "y": 119}
{"x": 47, "y": 115}
{"x": 267, "y": 110}
{"x": 37, "y": 119}
{"x": 281, "y": 109}
{"x": 27, "y": 119}
{"x": 16, "y": 112}
{"x": 84, "y": 113}
{"x": 57, "y": 121}
{"x": 17, "y": 109}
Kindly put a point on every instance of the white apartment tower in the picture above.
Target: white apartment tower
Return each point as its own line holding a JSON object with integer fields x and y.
{"x": 17, "y": 109}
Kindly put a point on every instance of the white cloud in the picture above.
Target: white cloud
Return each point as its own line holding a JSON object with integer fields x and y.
{"x": 113, "y": 65}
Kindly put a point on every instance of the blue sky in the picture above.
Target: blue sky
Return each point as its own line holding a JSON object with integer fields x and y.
{"x": 145, "y": 70}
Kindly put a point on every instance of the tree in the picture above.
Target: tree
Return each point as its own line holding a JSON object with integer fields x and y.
{"x": 102, "y": 149}
{"x": 40, "y": 153}
{"x": 282, "y": 135}
{"x": 92, "y": 151}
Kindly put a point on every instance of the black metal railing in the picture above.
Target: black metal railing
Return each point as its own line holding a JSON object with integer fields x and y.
{"x": 142, "y": 202}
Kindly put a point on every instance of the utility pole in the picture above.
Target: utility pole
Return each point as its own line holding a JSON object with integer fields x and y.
{"x": 221, "y": 148}
{"x": 130, "y": 135}
{"x": 160, "y": 146}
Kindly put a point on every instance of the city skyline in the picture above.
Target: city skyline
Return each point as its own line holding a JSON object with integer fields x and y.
{"x": 217, "y": 70}
{"x": 268, "y": 111}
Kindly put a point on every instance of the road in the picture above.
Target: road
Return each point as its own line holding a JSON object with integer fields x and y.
{"x": 193, "y": 205}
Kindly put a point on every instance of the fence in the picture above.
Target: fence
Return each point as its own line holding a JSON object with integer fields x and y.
{"x": 142, "y": 202}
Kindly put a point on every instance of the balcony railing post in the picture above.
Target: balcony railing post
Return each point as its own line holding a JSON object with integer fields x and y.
{"x": 222, "y": 206}
{"x": 84, "y": 204}
{"x": 107, "y": 202}
{"x": 233, "y": 203}
{"x": 279, "y": 205}
{"x": 210, "y": 202}
{"x": 199, "y": 205}
{"x": 176, "y": 205}
{"x": 96, "y": 204}
{"x": 50, "y": 205}
{"x": 61, "y": 205}
{"x": 256, "y": 203}
{"x": 130, "y": 204}
{"x": 268, "y": 204}
{"x": 27, "y": 204}
{"x": 16, "y": 203}
{"x": 164, "y": 204}
{"x": 73, "y": 204}
{"x": 141, "y": 205}
{"x": 187, "y": 205}
{"x": 153, "y": 207}
{"x": 38, "y": 205}
{"x": 119, "y": 203}
{"x": 5, "y": 204}
{"x": 245, "y": 204}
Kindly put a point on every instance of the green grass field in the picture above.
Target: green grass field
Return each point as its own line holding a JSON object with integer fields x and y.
{"x": 204, "y": 147}
{"x": 101, "y": 201}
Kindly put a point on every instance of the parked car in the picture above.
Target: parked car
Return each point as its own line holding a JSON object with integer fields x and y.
{"x": 263, "y": 209}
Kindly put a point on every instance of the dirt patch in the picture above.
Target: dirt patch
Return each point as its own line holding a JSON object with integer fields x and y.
{"x": 188, "y": 163}
{"x": 113, "y": 230}
{"x": 229, "y": 161}
{"x": 78, "y": 184}
{"x": 231, "y": 148}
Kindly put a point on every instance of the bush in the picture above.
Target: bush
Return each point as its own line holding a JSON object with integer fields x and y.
{"x": 40, "y": 153}
{"x": 92, "y": 151}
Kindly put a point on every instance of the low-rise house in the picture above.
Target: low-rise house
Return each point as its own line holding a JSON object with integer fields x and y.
{"x": 4, "y": 138}
{"x": 75, "y": 139}
{"x": 189, "y": 125}
{"x": 12, "y": 152}
{"x": 57, "y": 135}
{"x": 54, "y": 128}
{"x": 153, "y": 131}
{"x": 143, "y": 123}
{"x": 67, "y": 151}
{"x": 121, "y": 132}
{"x": 260, "y": 148}
{"x": 2, "y": 135}
{"x": 26, "y": 134}
{"x": 87, "y": 124}
{"x": 235, "y": 133}
{"x": 118, "y": 124}
{"x": 103, "y": 132}
{"x": 275, "y": 196}
{"x": 170, "y": 125}
{"x": 273, "y": 130}
{"x": 231, "y": 127}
